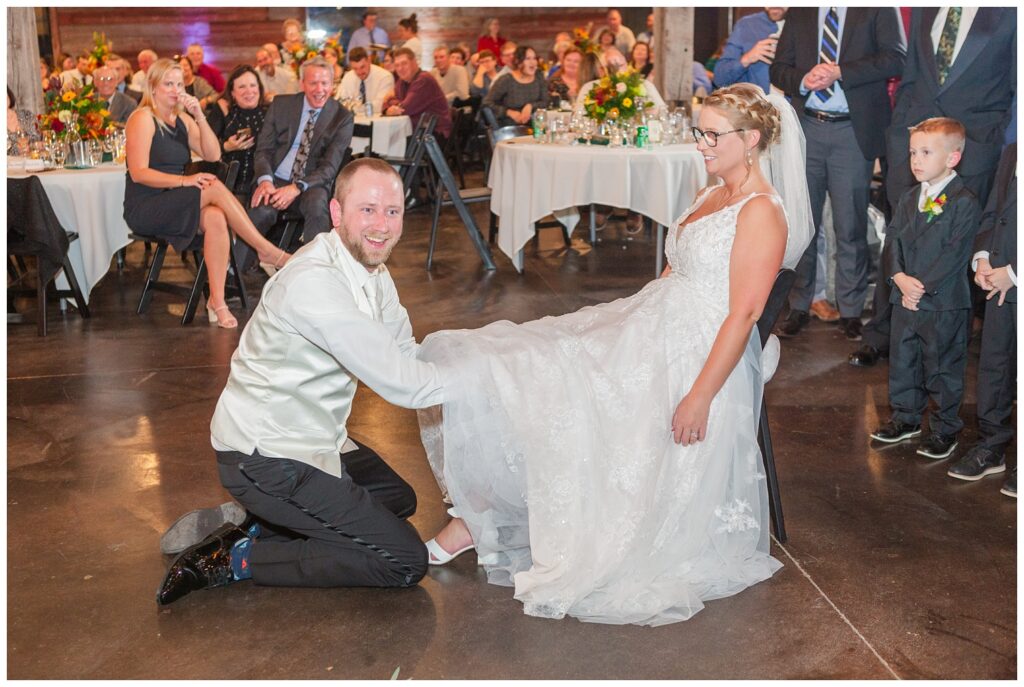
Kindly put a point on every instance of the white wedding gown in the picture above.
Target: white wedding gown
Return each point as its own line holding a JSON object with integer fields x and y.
{"x": 556, "y": 448}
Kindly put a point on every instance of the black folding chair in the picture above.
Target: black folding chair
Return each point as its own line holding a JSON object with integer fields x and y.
{"x": 412, "y": 162}
{"x": 34, "y": 230}
{"x": 448, "y": 194}
{"x": 200, "y": 285}
{"x": 364, "y": 131}
{"x": 772, "y": 309}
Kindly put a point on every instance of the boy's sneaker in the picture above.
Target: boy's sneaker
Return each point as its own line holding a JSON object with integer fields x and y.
{"x": 979, "y": 462}
{"x": 893, "y": 432}
{"x": 1010, "y": 487}
{"x": 938, "y": 446}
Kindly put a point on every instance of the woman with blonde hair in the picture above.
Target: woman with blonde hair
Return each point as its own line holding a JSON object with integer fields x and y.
{"x": 635, "y": 492}
{"x": 160, "y": 200}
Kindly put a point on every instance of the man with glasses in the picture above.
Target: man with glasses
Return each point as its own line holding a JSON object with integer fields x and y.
{"x": 834, "y": 63}
{"x": 119, "y": 105}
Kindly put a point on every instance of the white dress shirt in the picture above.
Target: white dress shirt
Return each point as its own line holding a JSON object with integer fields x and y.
{"x": 283, "y": 82}
{"x": 138, "y": 81}
{"x": 932, "y": 191}
{"x": 454, "y": 82}
{"x": 314, "y": 335}
{"x": 967, "y": 15}
{"x": 379, "y": 82}
{"x": 416, "y": 46}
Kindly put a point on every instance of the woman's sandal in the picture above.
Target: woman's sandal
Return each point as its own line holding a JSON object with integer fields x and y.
{"x": 226, "y": 321}
{"x": 438, "y": 556}
{"x": 271, "y": 269}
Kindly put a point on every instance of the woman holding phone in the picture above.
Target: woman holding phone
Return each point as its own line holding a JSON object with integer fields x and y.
{"x": 236, "y": 119}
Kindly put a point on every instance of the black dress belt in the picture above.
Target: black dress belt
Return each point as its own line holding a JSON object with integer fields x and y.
{"x": 826, "y": 116}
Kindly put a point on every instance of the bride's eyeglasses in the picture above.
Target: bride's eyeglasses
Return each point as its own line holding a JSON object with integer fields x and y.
{"x": 711, "y": 137}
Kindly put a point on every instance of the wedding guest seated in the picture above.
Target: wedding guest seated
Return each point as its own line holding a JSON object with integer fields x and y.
{"x": 332, "y": 56}
{"x": 146, "y": 58}
{"x": 119, "y": 105}
{"x": 63, "y": 62}
{"x": 276, "y": 78}
{"x": 621, "y": 34}
{"x": 558, "y": 51}
{"x": 617, "y": 64}
{"x": 366, "y": 81}
{"x": 486, "y": 73}
{"x": 368, "y": 34}
{"x": 565, "y": 84}
{"x": 196, "y": 86}
{"x": 160, "y": 200}
{"x": 491, "y": 39}
{"x": 387, "y": 61}
{"x": 606, "y": 44}
{"x": 299, "y": 151}
{"x": 44, "y": 73}
{"x": 122, "y": 71}
{"x": 453, "y": 79}
{"x": 514, "y": 98}
{"x": 928, "y": 246}
{"x": 408, "y": 33}
{"x": 417, "y": 93}
{"x": 640, "y": 59}
{"x": 506, "y": 57}
{"x": 292, "y": 32}
{"x": 236, "y": 120}
{"x": 19, "y": 120}
{"x": 80, "y": 75}
{"x": 201, "y": 69}
{"x": 460, "y": 56}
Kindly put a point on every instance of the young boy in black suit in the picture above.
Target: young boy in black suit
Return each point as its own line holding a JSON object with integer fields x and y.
{"x": 995, "y": 271}
{"x": 928, "y": 248}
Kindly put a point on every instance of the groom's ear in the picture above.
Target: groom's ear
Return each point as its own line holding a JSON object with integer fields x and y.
{"x": 335, "y": 209}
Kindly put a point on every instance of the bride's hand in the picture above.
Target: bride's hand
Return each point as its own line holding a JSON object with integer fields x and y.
{"x": 690, "y": 421}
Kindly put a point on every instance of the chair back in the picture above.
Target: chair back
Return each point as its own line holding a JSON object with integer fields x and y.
{"x": 32, "y": 225}
{"x": 496, "y": 136}
{"x": 472, "y": 102}
{"x": 363, "y": 131}
{"x": 489, "y": 118}
{"x": 776, "y": 301}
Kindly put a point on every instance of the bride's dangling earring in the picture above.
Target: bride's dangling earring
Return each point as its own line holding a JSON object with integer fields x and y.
{"x": 750, "y": 159}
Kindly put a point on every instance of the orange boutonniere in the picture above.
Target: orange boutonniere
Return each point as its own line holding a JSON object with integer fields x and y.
{"x": 933, "y": 207}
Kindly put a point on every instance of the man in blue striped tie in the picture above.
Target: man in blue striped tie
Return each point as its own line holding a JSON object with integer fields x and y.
{"x": 834, "y": 63}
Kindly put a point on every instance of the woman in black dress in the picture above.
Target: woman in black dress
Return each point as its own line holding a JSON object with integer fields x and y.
{"x": 236, "y": 119}
{"x": 161, "y": 201}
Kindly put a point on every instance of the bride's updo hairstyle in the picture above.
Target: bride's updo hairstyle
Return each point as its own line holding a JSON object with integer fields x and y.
{"x": 746, "y": 107}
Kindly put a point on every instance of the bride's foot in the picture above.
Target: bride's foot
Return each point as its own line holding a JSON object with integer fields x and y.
{"x": 221, "y": 316}
{"x": 273, "y": 261}
{"x": 449, "y": 543}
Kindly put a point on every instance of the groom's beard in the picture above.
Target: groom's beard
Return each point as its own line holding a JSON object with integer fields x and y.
{"x": 367, "y": 257}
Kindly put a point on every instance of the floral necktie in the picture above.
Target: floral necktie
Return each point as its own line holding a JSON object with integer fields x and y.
{"x": 947, "y": 42}
{"x": 299, "y": 166}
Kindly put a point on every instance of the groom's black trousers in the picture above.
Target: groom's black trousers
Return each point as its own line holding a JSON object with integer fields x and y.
{"x": 324, "y": 531}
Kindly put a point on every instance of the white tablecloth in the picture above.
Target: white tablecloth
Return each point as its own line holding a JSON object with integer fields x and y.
{"x": 530, "y": 180}
{"x": 389, "y": 134}
{"x": 91, "y": 203}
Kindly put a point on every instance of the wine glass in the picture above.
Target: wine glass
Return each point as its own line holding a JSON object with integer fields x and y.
{"x": 59, "y": 152}
{"x": 589, "y": 126}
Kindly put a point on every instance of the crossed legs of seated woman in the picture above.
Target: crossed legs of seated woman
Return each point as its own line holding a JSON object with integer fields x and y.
{"x": 220, "y": 210}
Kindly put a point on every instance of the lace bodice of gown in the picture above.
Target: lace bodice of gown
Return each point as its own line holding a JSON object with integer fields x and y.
{"x": 699, "y": 252}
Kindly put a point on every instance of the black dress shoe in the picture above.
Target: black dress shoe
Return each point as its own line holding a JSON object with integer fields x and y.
{"x": 796, "y": 321}
{"x": 1010, "y": 487}
{"x": 867, "y": 356}
{"x": 851, "y": 327}
{"x": 938, "y": 446}
{"x": 203, "y": 566}
{"x": 893, "y": 432}
{"x": 979, "y": 462}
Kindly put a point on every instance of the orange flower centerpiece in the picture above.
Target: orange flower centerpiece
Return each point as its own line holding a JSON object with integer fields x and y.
{"x": 306, "y": 51}
{"x": 581, "y": 39}
{"x": 74, "y": 110}
{"x": 617, "y": 97}
{"x": 100, "y": 49}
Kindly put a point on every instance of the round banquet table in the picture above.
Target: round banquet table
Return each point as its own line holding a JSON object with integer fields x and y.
{"x": 389, "y": 134}
{"x": 89, "y": 202}
{"x": 530, "y": 180}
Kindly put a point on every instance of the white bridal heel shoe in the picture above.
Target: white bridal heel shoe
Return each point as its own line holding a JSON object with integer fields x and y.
{"x": 437, "y": 555}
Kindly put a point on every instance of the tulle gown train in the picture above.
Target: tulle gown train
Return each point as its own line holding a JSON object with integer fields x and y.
{"x": 557, "y": 451}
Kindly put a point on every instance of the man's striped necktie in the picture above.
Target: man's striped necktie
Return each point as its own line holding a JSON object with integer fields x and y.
{"x": 829, "y": 48}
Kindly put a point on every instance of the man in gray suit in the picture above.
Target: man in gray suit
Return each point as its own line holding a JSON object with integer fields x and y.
{"x": 834, "y": 63}
{"x": 119, "y": 105}
{"x": 961, "y": 63}
{"x": 299, "y": 152}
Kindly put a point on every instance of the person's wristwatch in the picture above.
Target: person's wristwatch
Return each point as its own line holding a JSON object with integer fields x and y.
{"x": 301, "y": 185}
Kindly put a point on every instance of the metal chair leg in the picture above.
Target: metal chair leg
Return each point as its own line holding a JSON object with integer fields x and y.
{"x": 774, "y": 497}
{"x": 151, "y": 278}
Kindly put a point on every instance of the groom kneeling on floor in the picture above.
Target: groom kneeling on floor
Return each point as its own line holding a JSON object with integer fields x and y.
{"x": 320, "y": 510}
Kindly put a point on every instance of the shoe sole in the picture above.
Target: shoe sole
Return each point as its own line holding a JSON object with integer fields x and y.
{"x": 896, "y": 440}
{"x": 995, "y": 470}
{"x": 938, "y": 456}
{"x": 1007, "y": 492}
{"x": 193, "y": 528}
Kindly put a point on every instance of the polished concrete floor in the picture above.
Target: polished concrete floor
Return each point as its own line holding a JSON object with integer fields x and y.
{"x": 891, "y": 570}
